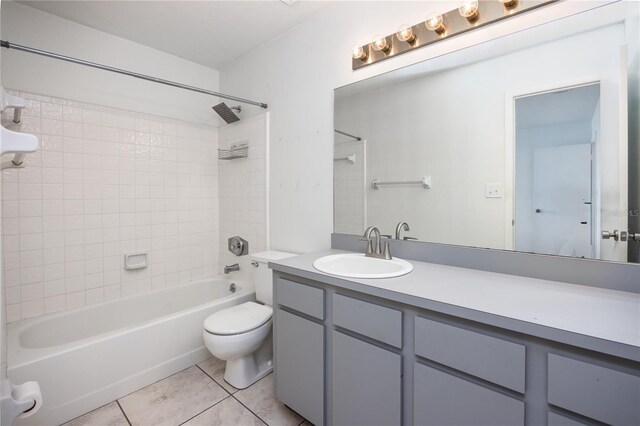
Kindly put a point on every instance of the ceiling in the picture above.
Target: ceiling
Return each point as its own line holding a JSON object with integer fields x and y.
{"x": 211, "y": 33}
{"x": 565, "y": 106}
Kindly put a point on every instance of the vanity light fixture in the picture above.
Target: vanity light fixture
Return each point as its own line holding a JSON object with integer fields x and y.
{"x": 440, "y": 26}
{"x": 469, "y": 11}
{"x": 435, "y": 23}
{"x": 359, "y": 53}
{"x": 380, "y": 44}
{"x": 509, "y": 3}
{"x": 405, "y": 33}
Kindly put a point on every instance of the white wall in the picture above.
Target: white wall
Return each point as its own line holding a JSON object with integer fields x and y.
{"x": 296, "y": 74}
{"x": 31, "y": 73}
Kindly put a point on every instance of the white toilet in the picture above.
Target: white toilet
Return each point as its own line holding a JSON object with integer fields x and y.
{"x": 241, "y": 334}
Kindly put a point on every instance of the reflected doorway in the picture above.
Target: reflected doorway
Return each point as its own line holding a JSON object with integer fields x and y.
{"x": 556, "y": 188}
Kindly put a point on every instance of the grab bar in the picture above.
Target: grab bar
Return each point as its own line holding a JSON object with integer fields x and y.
{"x": 425, "y": 181}
{"x": 350, "y": 158}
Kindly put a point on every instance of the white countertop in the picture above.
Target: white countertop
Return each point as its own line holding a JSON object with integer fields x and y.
{"x": 609, "y": 315}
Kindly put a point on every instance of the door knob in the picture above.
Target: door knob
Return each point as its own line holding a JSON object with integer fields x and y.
{"x": 616, "y": 235}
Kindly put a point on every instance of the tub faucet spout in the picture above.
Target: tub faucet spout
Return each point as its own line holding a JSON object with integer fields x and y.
{"x": 231, "y": 268}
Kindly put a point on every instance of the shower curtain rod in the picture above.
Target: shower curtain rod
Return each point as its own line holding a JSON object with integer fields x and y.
{"x": 8, "y": 45}
{"x": 358, "y": 138}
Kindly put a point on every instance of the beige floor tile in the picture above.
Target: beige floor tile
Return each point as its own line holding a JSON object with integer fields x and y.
{"x": 260, "y": 399}
{"x": 228, "y": 412}
{"x": 107, "y": 415}
{"x": 214, "y": 367}
{"x": 173, "y": 400}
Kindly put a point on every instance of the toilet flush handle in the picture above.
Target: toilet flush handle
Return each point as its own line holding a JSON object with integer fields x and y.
{"x": 254, "y": 263}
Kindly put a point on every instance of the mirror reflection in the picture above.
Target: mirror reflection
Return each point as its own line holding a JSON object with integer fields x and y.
{"x": 528, "y": 142}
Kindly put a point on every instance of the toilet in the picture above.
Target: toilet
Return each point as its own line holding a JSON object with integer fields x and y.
{"x": 241, "y": 334}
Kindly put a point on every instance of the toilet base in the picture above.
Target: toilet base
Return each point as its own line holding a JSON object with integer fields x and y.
{"x": 243, "y": 372}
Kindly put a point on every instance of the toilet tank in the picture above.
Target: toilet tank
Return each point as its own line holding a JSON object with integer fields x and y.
{"x": 264, "y": 275}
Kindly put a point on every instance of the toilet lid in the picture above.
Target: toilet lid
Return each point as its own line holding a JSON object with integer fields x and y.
{"x": 238, "y": 319}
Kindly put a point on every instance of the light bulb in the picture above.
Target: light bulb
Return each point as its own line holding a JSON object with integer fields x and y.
{"x": 380, "y": 43}
{"x": 435, "y": 23}
{"x": 405, "y": 33}
{"x": 358, "y": 52}
{"x": 509, "y": 3}
{"x": 469, "y": 10}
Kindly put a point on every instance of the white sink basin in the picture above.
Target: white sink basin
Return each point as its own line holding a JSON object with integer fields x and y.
{"x": 357, "y": 265}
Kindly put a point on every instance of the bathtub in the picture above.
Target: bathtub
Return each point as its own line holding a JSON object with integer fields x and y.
{"x": 87, "y": 357}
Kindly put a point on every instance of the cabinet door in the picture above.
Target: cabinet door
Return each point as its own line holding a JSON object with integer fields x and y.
{"x": 443, "y": 399}
{"x": 366, "y": 383}
{"x": 299, "y": 365}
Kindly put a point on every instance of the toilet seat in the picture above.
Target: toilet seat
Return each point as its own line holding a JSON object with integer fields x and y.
{"x": 238, "y": 319}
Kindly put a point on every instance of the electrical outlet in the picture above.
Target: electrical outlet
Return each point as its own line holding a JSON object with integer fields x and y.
{"x": 493, "y": 190}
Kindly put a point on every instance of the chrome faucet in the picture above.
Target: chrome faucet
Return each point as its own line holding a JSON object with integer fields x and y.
{"x": 374, "y": 247}
{"x": 231, "y": 268}
{"x": 403, "y": 226}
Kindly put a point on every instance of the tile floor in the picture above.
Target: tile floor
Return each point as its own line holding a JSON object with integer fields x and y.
{"x": 194, "y": 397}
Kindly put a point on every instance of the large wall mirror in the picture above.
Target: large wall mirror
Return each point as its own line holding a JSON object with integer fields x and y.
{"x": 528, "y": 142}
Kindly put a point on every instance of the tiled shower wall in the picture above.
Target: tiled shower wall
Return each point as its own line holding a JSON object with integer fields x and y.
{"x": 349, "y": 187}
{"x": 243, "y": 192}
{"x": 106, "y": 182}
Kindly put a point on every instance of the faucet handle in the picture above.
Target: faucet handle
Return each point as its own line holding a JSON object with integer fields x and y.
{"x": 386, "y": 236}
{"x": 409, "y": 238}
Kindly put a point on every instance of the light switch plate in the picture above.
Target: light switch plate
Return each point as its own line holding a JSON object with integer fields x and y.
{"x": 493, "y": 190}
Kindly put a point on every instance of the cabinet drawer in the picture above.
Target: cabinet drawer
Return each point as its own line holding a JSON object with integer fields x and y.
{"x": 443, "y": 399}
{"x": 375, "y": 321}
{"x": 495, "y": 360}
{"x": 301, "y": 297}
{"x": 366, "y": 383}
{"x": 597, "y": 392}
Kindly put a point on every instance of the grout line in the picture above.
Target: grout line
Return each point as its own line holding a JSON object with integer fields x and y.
{"x": 250, "y": 410}
{"x": 214, "y": 380}
{"x": 123, "y": 413}
{"x": 191, "y": 418}
{"x": 151, "y": 384}
{"x": 232, "y": 395}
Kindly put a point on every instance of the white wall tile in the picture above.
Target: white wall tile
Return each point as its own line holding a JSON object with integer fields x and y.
{"x": 106, "y": 182}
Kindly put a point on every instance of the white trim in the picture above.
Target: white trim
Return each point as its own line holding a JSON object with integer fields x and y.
{"x": 623, "y": 148}
{"x": 510, "y": 143}
{"x": 267, "y": 150}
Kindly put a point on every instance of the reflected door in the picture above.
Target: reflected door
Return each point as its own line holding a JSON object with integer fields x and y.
{"x": 562, "y": 198}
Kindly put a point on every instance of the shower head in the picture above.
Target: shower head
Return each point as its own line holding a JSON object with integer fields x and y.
{"x": 225, "y": 112}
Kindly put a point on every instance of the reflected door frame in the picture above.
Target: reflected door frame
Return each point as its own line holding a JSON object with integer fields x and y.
{"x": 510, "y": 153}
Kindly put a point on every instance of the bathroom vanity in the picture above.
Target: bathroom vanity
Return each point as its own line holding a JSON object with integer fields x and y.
{"x": 448, "y": 345}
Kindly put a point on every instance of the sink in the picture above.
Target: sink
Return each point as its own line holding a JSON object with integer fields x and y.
{"x": 357, "y": 265}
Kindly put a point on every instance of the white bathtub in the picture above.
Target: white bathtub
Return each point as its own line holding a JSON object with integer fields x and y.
{"x": 90, "y": 356}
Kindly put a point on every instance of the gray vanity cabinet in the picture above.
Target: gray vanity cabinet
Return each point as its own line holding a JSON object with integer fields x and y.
{"x": 346, "y": 357}
{"x": 366, "y": 382}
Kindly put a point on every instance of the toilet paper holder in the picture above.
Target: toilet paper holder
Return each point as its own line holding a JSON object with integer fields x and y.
{"x": 12, "y": 407}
